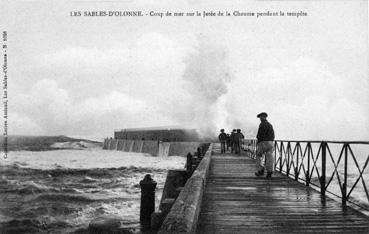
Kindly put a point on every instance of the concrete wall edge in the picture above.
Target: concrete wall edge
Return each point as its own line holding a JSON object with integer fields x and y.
{"x": 184, "y": 214}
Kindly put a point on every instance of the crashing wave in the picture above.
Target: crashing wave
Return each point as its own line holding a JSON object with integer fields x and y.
{"x": 79, "y": 145}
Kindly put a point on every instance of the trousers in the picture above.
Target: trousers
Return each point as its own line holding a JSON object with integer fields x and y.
{"x": 222, "y": 147}
{"x": 236, "y": 146}
{"x": 265, "y": 148}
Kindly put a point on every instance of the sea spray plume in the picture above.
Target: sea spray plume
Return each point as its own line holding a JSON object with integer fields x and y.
{"x": 206, "y": 77}
{"x": 306, "y": 100}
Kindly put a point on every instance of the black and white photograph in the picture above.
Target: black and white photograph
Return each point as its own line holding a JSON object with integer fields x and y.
{"x": 159, "y": 116}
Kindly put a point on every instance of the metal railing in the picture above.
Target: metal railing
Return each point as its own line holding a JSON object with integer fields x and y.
{"x": 335, "y": 167}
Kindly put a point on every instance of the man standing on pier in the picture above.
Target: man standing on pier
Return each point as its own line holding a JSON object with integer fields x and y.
{"x": 242, "y": 137}
{"x": 223, "y": 140}
{"x": 228, "y": 141}
{"x": 265, "y": 137}
{"x": 232, "y": 137}
{"x": 237, "y": 141}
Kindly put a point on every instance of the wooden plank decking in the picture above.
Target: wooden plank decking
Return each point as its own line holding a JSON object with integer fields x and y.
{"x": 236, "y": 201}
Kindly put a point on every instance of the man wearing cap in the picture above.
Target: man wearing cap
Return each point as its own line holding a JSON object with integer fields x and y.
{"x": 265, "y": 137}
{"x": 223, "y": 140}
{"x": 237, "y": 141}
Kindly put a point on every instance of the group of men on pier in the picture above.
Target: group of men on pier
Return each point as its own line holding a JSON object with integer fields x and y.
{"x": 264, "y": 147}
{"x": 232, "y": 140}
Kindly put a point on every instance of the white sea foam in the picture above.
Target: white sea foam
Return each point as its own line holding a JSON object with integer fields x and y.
{"x": 87, "y": 159}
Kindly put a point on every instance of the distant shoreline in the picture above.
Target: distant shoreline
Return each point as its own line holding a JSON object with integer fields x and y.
{"x": 40, "y": 143}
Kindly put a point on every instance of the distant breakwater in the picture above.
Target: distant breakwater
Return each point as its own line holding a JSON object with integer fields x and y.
{"x": 155, "y": 148}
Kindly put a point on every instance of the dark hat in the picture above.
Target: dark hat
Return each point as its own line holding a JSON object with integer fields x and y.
{"x": 222, "y": 130}
{"x": 262, "y": 114}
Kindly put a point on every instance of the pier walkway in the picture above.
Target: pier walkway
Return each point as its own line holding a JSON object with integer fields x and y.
{"x": 236, "y": 201}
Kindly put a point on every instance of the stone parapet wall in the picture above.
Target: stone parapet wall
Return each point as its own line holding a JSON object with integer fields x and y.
{"x": 184, "y": 213}
{"x": 155, "y": 148}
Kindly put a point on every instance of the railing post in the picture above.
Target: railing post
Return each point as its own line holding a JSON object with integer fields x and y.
{"x": 297, "y": 161}
{"x": 322, "y": 179}
{"x": 275, "y": 155}
{"x": 307, "y": 175}
{"x": 344, "y": 185}
{"x": 280, "y": 155}
{"x": 255, "y": 148}
{"x": 288, "y": 158}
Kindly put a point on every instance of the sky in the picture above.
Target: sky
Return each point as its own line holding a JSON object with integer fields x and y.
{"x": 86, "y": 76}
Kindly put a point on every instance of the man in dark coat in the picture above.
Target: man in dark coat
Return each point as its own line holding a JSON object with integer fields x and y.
{"x": 232, "y": 139}
{"x": 237, "y": 141}
{"x": 228, "y": 141}
{"x": 223, "y": 140}
{"x": 265, "y": 145}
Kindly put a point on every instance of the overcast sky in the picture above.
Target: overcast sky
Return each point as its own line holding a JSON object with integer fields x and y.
{"x": 86, "y": 76}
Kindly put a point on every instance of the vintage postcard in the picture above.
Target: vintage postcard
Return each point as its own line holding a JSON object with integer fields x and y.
{"x": 98, "y": 94}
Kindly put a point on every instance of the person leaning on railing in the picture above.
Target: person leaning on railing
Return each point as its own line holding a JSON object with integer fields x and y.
{"x": 265, "y": 138}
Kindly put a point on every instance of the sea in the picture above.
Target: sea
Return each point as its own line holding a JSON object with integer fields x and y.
{"x": 61, "y": 191}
